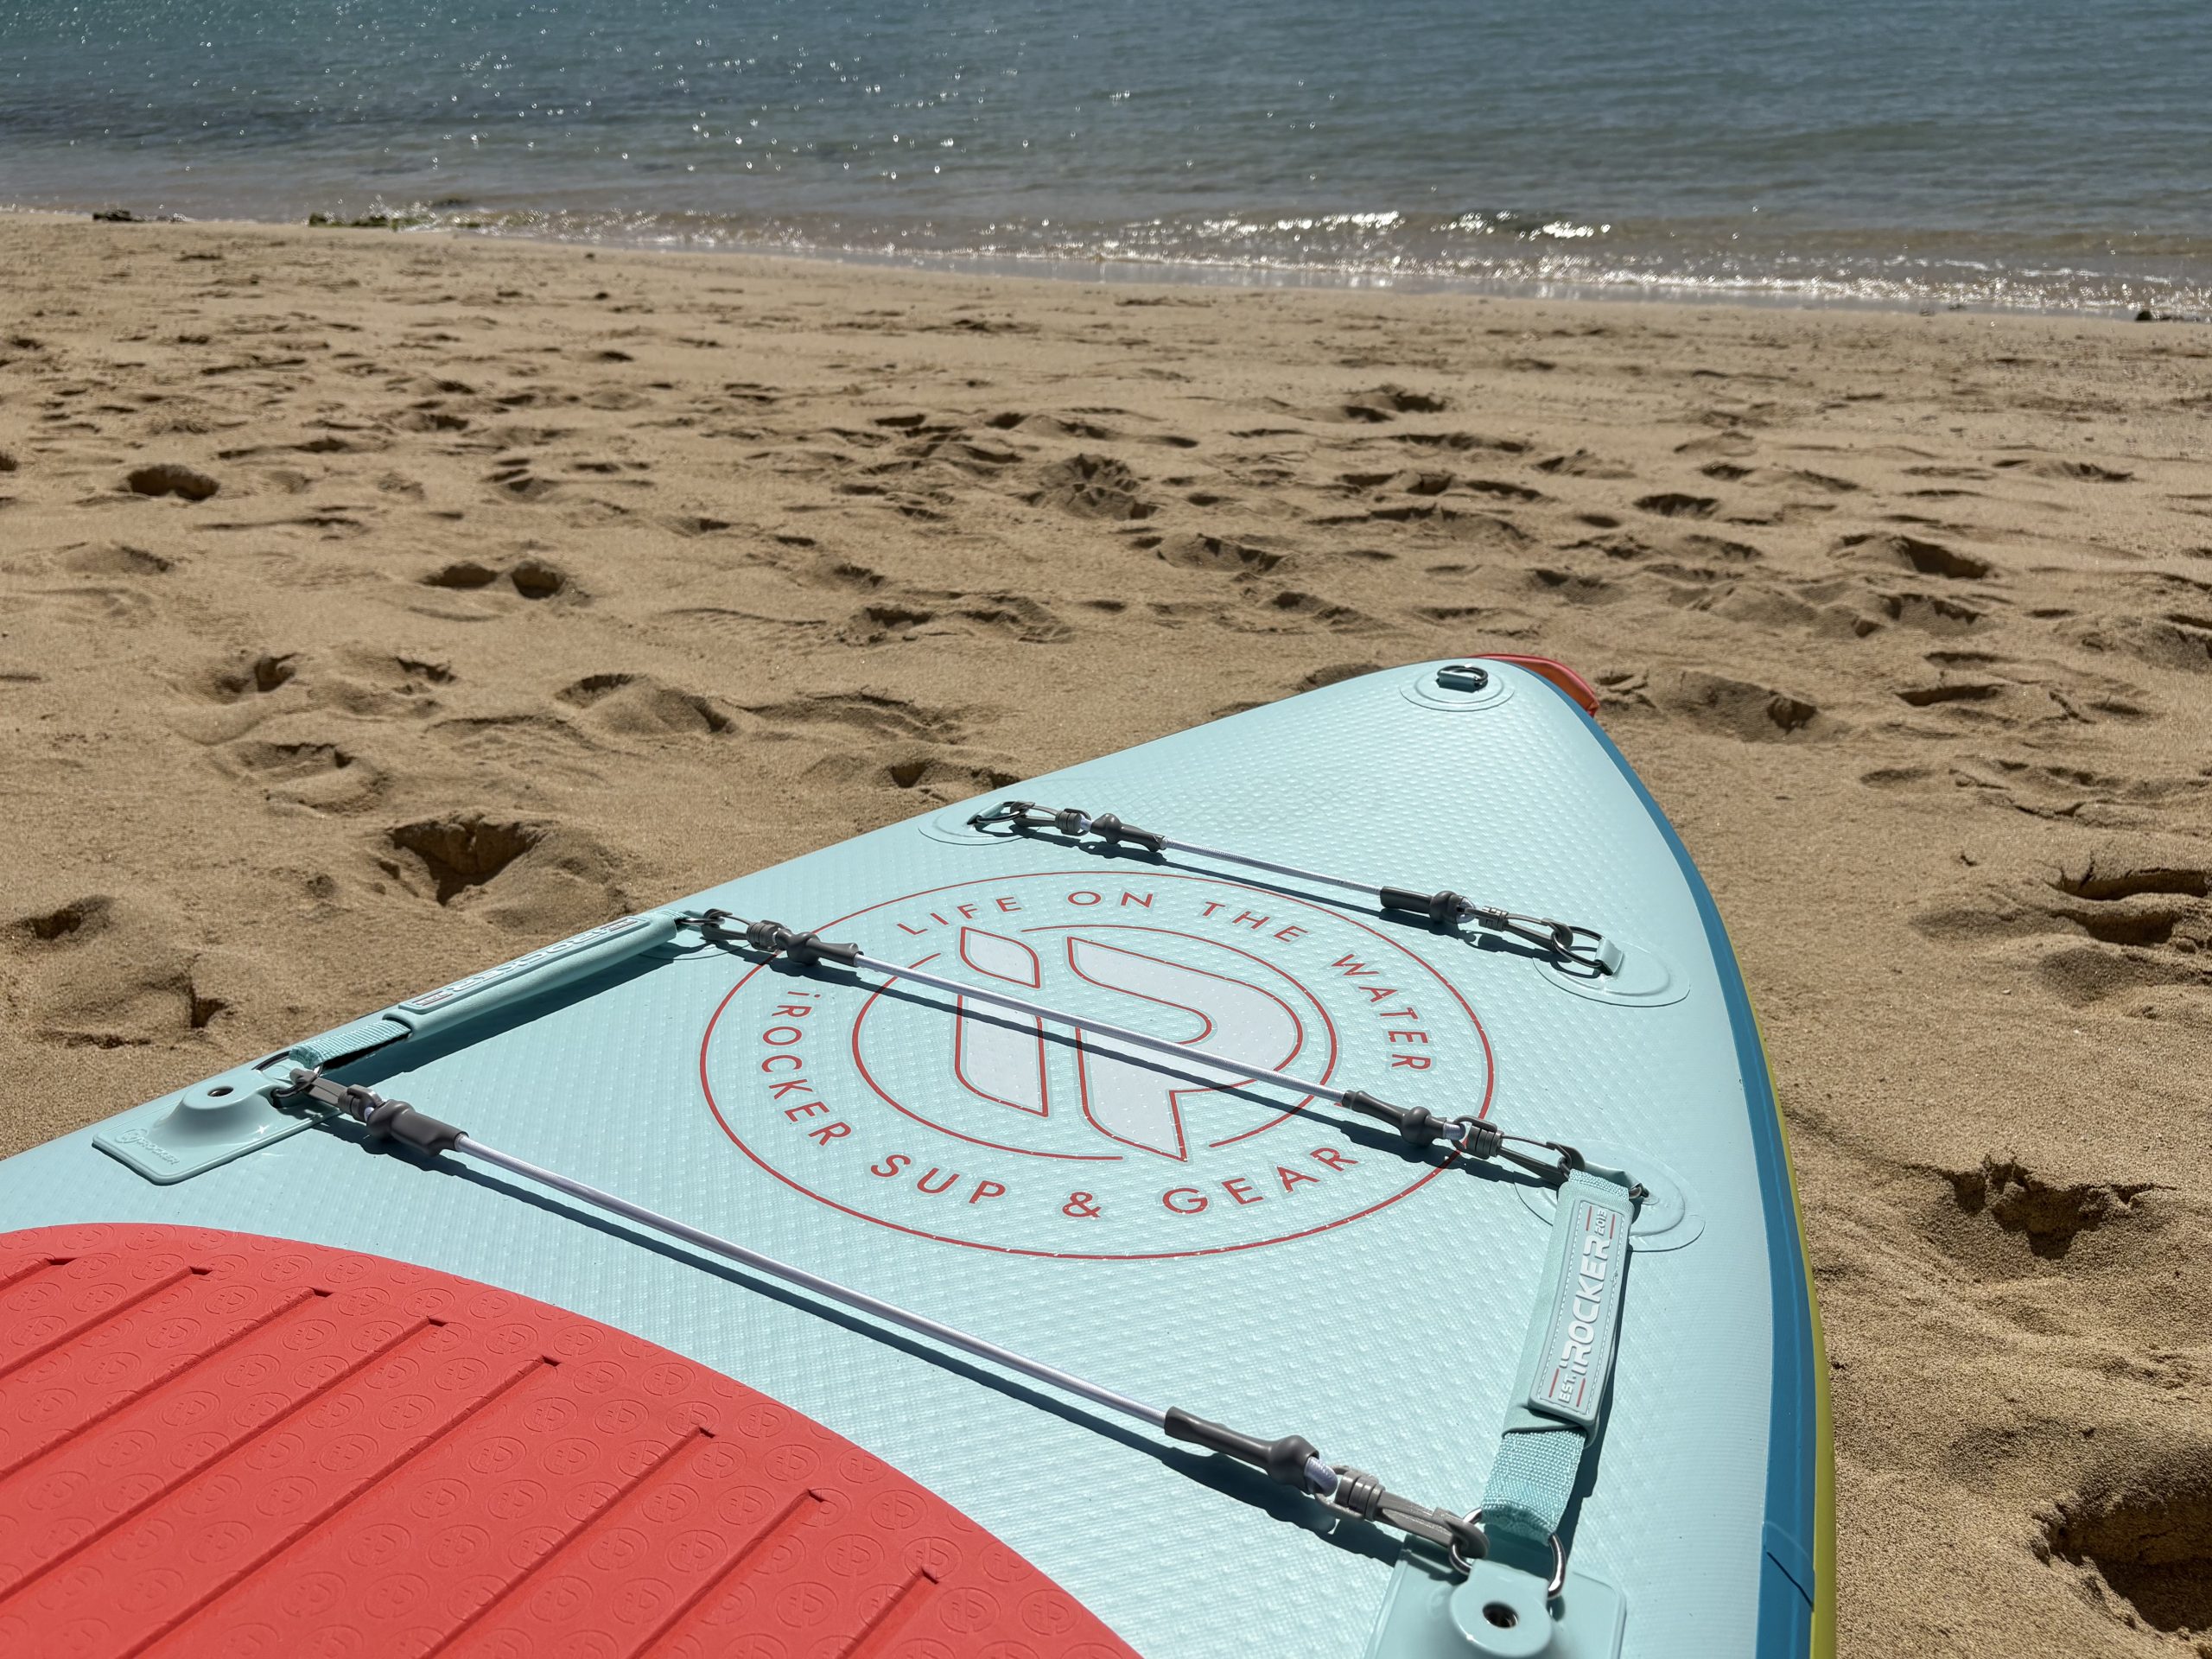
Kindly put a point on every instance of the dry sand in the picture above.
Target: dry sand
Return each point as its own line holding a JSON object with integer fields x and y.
{"x": 538, "y": 584}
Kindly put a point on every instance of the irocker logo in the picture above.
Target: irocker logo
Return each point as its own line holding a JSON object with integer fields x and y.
{"x": 947, "y": 1117}
{"x": 1583, "y": 1319}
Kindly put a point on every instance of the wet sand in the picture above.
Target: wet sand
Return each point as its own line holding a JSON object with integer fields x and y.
{"x": 535, "y": 585}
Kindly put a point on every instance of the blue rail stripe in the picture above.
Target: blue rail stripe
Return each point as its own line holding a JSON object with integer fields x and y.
{"x": 1793, "y": 1435}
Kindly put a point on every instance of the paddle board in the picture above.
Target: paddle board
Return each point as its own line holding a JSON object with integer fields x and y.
{"x": 777, "y": 1302}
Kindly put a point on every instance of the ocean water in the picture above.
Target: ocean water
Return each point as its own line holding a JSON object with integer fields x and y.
{"x": 2032, "y": 153}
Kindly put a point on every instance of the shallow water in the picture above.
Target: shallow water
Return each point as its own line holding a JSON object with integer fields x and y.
{"x": 1981, "y": 152}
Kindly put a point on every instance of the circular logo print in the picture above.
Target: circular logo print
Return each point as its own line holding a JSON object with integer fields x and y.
{"x": 943, "y": 1115}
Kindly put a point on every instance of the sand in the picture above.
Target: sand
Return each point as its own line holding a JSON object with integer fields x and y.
{"x": 535, "y": 585}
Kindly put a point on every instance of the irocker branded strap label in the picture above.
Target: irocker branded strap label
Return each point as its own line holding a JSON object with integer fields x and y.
{"x": 1590, "y": 1255}
{"x": 546, "y": 955}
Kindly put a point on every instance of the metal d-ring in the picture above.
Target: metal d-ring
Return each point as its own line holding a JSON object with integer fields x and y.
{"x": 1471, "y": 1519}
{"x": 1474, "y": 1518}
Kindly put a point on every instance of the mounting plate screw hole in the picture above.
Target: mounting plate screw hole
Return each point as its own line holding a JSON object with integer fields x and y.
{"x": 1501, "y": 1615}
{"x": 218, "y": 1092}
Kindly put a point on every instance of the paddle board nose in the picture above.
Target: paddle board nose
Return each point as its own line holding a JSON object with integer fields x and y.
{"x": 1072, "y": 1176}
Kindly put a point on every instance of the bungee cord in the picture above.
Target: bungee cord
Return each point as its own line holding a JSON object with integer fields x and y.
{"x": 1444, "y": 908}
{"x": 1468, "y": 1134}
{"x": 1290, "y": 1459}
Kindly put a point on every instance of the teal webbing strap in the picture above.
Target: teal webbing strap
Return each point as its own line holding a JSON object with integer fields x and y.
{"x": 1566, "y": 1360}
{"x": 346, "y": 1042}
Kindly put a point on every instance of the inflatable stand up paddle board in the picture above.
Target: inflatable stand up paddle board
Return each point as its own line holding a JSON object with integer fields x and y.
{"x": 1308, "y": 1185}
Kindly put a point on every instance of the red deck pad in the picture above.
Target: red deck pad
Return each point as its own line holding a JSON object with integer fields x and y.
{"x": 216, "y": 1443}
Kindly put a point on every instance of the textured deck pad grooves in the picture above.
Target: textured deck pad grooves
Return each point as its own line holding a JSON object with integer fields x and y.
{"x": 217, "y": 1443}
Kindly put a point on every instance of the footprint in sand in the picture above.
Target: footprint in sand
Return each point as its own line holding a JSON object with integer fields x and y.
{"x": 461, "y": 853}
{"x": 2046, "y": 1215}
{"x": 1827, "y": 482}
{"x": 1440, "y": 522}
{"x": 1672, "y": 504}
{"x": 940, "y": 774}
{"x": 1458, "y": 442}
{"x": 1501, "y": 489}
{"x": 962, "y": 454}
{"x": 115, "y": 559}
{"x": 1194, "y": 552}
{"x": 2049, "y": 789}
{"x": 534, "y": 746}
{"x": 871, "y": 713}
{"x": 78, "y": 918}
{"x": 419, "y": 673}
{"x": 1738, "y": 709}
{"x": 1581, "y": 463}
{"x": 532, "y": 578}
{"x": 886, "y": 620}
{"x": 1951, "y": 691}
{"x": 2130, "y": 919}
{"x": 1017, "y": 616}
{"x": 1291, "y": 611}
{"x": 525, "y": 875}
{"x": 1936, "y": 613}
{"x": 1333, "y": 674}
{"x": 252, "y": 675}
{"x": 1052, "y": 426}
{"x": 1092, "y": 487}
{"x": 2138, "y": 1528}
{"x": 1910, "y": 553}
{"x": 1420, "y": 482}
{"x": 1731, "y": 444}
{"x": 639, "y": 705}
{"x": 2121, "y": 900}
{"x": 514, "y": 477}
{"x": 302, "y": 771}
{"x": 1573, "y": 587}
{"x": 171, "y": 478}
{"x": 431, "y": 416}
{"x": 2179, "y": 640}
{"x": 104, "y": 972}
{"x": 696, "y": 524}
{"x": 1386, "y": 402}
{"x": 2086, "y": 471}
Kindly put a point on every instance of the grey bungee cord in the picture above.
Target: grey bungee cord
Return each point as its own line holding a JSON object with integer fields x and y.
{"x": 1444, "y": 909}
{"x": 1291, "y": 1460}
{"x": 1467, "y": 1135}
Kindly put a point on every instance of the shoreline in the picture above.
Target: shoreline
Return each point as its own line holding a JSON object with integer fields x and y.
{"x": 1200, "y": 274}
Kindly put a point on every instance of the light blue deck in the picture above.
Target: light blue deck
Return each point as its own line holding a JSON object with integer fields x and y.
{"x": 1390, "y": 1337}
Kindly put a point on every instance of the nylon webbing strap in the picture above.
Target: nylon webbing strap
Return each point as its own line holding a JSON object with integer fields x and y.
{"x": 347, "y": 1041}
{"x": 1567, "y": 1361}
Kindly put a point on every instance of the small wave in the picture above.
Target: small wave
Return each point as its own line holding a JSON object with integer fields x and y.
{"x": 1501, "y": 250}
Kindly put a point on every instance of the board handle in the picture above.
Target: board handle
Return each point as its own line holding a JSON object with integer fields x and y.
{"x": 542, "y": 971}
